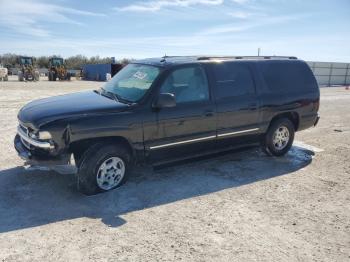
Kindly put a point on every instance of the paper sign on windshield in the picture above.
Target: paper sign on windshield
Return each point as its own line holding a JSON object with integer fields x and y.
{"x": 140, "y": 75}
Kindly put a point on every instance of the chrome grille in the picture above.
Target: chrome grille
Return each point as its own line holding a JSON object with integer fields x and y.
{"x": 30, "y": 141}
{"x": 25, "y": 130}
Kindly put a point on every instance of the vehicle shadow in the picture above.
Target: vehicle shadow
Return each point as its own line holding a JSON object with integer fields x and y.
{"x": 30, "y": 198}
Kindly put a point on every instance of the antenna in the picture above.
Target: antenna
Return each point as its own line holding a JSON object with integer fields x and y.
{"x": 163, "y": 58}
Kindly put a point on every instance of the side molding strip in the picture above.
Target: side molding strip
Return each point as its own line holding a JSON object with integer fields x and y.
{"x": 238, "y": 132}
{"x": 183, "y": 142}
{"x": 205, "y": 138}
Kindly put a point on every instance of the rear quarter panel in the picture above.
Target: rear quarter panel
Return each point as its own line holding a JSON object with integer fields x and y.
{"x": 303, "y": 102}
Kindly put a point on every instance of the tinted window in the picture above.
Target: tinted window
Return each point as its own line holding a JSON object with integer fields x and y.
{"x": 287, "y": 76}
{"x": 233, "y": 79}
{"x": 187, "y": 84}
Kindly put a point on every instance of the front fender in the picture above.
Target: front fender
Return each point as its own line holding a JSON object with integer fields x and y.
{"x": 126, "y": 125}
{"x": 70, "y": 130}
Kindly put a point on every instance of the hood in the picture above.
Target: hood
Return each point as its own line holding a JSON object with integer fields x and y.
{"x": 42, "y": 111}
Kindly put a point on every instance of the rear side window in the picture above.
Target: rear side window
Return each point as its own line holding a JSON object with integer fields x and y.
{"x": 287, "y": 76}
{"x": 233, "y": 79}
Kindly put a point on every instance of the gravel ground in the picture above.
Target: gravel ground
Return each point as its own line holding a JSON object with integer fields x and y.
{"x": 239, "y": 206}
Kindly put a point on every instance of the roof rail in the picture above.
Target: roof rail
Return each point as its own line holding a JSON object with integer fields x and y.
{"x": 245, "y": 57}
{"x": 179, "y": 57}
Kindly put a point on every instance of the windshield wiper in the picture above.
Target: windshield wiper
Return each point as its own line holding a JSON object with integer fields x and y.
{"x": 123, "y": 100}
{"x": 106, "y": 94}
{"x": 115, "y": 96}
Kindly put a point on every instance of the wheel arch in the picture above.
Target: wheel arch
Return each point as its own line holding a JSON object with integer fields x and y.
{"x": 80, "y": 146}
{"x": 292, "y": 116}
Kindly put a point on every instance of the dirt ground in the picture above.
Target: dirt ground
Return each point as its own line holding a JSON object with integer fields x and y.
{"x": 240, "y": 206}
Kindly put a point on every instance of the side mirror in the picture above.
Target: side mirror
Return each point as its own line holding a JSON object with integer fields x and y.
{"x": 165, "y": 100}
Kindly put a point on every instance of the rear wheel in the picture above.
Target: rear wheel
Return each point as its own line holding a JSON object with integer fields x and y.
{"x": 20, "y": 76}
{"x": 279, "y": 137}
{"x": 102, "y": 168}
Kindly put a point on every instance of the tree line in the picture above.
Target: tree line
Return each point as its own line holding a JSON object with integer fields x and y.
{"x": 72, "y": 62}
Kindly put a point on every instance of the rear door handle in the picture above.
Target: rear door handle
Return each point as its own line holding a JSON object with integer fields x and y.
{"x": 253, "y": 106}
{"x": 209, "y": 113}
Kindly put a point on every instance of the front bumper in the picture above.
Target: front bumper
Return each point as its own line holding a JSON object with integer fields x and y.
{"x": 22, "y": 151}
{"x": 39, "y": 144}
{"x": 31, "y": 157}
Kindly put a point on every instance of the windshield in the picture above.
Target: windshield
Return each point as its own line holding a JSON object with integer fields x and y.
{"x": 132, "y": 82}
{"x": 57, "y": 61}
{"x": 26, "y": 61}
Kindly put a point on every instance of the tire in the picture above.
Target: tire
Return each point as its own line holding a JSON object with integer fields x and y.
{"x": 20, "y": 76}
{"x": 279, "y": 137}
{"x": 93, "y": 165}
{"x": 54, "y": 77}
{"x": 77, "y": 158}
{"x": 6, "y": 78}
{"x": 50, "y": 76}
{"x": 36, "y": 76}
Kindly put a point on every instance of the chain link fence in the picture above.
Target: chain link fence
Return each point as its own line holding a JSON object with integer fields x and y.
{"x": 329, "y": 74}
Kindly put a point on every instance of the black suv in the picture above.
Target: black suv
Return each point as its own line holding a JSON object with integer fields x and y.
{"x": 171, "y": 108}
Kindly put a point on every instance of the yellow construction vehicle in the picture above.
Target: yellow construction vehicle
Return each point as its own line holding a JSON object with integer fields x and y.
{"x": 58, "y": 70}
{"x": 27, "y": 71}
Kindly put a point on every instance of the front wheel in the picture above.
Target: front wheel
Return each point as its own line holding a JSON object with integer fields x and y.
{"x": 279, "y": 137}
{"x": 36, "y": 76}
{"x": 102, "y": 168}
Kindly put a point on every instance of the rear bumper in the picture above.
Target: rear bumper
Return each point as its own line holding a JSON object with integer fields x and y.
{"x": 308, "y": 121}
{"x": 31, "y": 158}
{"x": 317, "y": 119}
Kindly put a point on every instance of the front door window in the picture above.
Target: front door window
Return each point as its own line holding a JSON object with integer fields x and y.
{"x": 188, "y": 84}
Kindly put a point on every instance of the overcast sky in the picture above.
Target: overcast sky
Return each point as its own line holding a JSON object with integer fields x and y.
{"x": 316, "y": 30}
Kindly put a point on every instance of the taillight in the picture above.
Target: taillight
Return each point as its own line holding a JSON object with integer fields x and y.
{"x": 316, "y": 105}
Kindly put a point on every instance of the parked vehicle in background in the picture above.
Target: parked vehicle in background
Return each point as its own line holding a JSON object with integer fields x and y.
{"x": 27, "y": 71}
{"x": 57, "y": 69}
{"x": 3, "y": 73}
{"x": 160, "y": 110}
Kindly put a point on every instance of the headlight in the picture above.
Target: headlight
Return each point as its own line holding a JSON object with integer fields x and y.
{"x": 41, "y": 135}
{"x": 33, "y": 135}
{"x": 44, "y": 135}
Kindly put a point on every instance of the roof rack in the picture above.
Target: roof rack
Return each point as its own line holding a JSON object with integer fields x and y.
{"x": 245, "y": 57}
{"x": 177, "y": 57}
